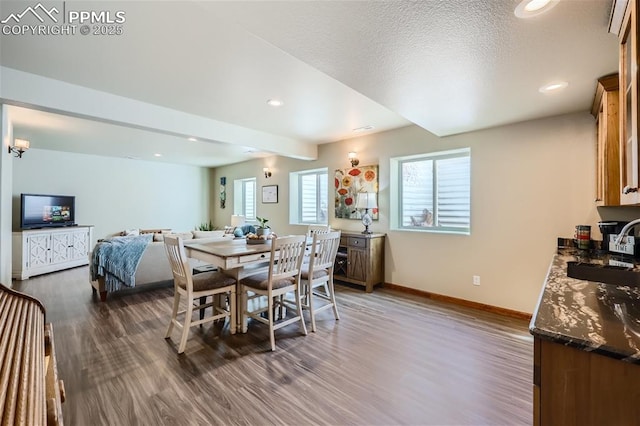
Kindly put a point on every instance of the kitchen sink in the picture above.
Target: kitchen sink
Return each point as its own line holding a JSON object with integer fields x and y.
{"x": 608, "y": 274}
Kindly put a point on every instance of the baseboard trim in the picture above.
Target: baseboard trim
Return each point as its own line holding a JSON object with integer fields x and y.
{"x": 462, "y": 302}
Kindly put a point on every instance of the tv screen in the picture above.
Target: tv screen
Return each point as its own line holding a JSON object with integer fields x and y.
{"x": 40, "y": 210}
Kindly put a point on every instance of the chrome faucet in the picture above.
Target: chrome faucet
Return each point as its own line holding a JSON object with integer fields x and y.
{"x": 625, "y": 230}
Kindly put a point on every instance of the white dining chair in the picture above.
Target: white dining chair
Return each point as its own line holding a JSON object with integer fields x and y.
{"x": 319, "y": 273}
{"x": 195, "y": 289}
{"x": 283, "y": 277}
{"x": 312, "y": 229}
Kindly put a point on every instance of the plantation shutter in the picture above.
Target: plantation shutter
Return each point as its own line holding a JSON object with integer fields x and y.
{"x": 313, "y": 197}
{"x": 453, "y": 199}
{"x": 249, "y": 190}
{"x": 308, "y": 198}
{"x": 435, "y": 191}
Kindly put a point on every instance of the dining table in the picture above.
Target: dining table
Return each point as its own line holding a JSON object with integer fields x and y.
{"x": 236, "y": 257}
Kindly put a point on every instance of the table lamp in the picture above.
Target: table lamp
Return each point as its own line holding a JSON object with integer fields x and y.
{"x": 237, "y": 220}
{"x": 366, "y": 201}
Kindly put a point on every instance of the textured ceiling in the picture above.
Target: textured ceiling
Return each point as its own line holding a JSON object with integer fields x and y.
{"x": 448, "y": 66}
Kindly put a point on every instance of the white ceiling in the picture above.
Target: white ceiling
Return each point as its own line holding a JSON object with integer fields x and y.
{"x": 448, "y": 66}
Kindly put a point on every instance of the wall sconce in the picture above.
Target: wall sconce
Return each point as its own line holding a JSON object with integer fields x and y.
{"x": 267, "y": 172}
{"x": 19, "y": 146}
{"x": 354, "y": 160}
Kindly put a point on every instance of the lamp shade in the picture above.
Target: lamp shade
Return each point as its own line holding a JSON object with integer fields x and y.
{"x": 237, "y": 220}
{"x": 366, "y": 200}
{"x": 21, "y": 144}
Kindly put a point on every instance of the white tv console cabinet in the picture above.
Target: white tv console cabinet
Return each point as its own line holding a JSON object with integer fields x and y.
{"x": 39, "y": 251}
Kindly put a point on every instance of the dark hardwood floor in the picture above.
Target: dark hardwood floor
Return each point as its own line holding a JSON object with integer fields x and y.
{"x": 392, "y": 359}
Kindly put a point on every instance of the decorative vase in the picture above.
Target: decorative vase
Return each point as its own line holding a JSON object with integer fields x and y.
{"x": 264, "y": 232}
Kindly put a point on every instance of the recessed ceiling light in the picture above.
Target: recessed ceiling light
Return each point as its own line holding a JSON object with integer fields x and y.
{"x": 157, "y": 155}
{"x": 530, "y": 8}
{"x": 554, "y": 87}
{"x": 534, "y": 5}
{"x": 275, "y": 102}
{"x": 363, "y": 128}
{"x": 192, "y": 139}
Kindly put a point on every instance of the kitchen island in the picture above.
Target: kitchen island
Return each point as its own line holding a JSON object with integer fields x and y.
{"x": 586, "y": 349}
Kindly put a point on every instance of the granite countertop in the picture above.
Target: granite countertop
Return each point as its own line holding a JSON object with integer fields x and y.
{"x": 591, "y": 316}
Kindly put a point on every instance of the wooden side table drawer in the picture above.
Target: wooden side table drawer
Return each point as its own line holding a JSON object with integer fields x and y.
{"x": 358, "y": 242}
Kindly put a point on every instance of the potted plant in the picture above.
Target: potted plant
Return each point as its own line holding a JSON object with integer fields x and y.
{"x": 263, "y": 229}
{"x": 206, "y": 226}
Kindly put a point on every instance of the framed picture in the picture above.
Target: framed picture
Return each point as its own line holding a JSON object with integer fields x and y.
{"x": 270, "y": 194}
{"x": 348, "y": 183}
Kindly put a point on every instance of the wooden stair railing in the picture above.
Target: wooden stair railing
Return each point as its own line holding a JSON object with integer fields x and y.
{"x": 30, "y": 392}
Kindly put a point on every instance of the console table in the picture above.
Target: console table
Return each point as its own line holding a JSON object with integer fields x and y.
{"x": 39, "y": 251}
{"x": 360, "y": 259}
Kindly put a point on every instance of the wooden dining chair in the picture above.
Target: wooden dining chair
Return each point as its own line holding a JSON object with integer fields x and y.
{"x": 312, "y": 229}
{"x": 195, "y": 287}
{"x": 319, "y": 273}
{"x": 283, "y": 277}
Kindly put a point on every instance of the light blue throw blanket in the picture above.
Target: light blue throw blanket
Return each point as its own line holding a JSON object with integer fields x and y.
{"x": 117, "y": 259}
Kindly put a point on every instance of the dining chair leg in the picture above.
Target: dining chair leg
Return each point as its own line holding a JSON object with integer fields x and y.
{"x": 174, "y": 314}
{"x": 299, "y": 307}
{"x": 270, "y": 314}
{"x": 281, "y": 313}
{"x": 332, "y": 295}
{"x": 312, "y": 314}
{"x": 203, "y": 300}
{"x": 185, "y": 328}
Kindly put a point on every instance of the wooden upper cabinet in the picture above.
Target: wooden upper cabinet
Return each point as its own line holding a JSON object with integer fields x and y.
{"x": 628, "y": 81}
{"x": 605, "y": 110}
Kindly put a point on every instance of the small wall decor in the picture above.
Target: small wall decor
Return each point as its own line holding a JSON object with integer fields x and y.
{"x": 348, "y": 183}
{"x": 223, "y": 191}
{"x": 270, "y": 194}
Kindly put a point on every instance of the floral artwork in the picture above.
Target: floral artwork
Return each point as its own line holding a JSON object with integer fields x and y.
{"x": 348, "y": 182}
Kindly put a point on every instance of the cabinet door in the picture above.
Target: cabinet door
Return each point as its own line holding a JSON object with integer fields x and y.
{"x": 605, "y": 109}
{"x": 38, "y": 253}
{"x": 79, "y": 245}
{"x": 629, "y": 106}
{"x": 60, "y": 247}
{"x": 357, "y": 264}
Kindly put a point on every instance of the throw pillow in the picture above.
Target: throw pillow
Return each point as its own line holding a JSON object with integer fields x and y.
{"x": 130, "y": 232}
{"x": 183, "y": 235}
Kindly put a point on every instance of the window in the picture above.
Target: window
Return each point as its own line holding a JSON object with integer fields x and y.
{"x": 244, "y": 200}
{"x": 433, "y": 191}
{"x": 309, "y": 197}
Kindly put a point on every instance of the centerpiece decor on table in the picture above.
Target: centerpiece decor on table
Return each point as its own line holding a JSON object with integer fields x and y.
{"x": 263, "y": 232}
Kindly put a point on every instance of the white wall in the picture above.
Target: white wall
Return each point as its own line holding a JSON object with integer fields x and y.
{"x": 6, "y": 167}
{"x": 116, "y": 193}
{"x": 531, "y": 183}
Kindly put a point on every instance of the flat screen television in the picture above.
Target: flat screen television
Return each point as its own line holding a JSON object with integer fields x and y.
{"x": 41, "y": 210}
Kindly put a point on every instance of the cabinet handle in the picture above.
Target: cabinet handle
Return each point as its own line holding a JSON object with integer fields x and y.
{"x": 627, "y": 189}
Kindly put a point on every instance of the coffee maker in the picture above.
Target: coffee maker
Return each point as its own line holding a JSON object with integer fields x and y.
{"x": 610, "y": 231}
{"x": 609, "y": 228}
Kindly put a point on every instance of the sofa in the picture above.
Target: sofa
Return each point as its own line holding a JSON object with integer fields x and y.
{"x": 154, "y": 269}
